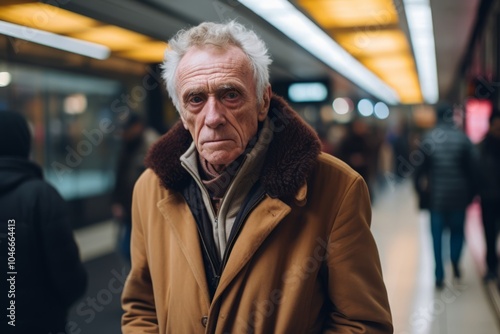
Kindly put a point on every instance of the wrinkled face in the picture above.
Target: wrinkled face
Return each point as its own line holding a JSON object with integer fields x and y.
{"x": 218, "y": 101}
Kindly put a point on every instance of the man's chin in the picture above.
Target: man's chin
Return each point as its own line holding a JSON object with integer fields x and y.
{"x": 217, "y": 159}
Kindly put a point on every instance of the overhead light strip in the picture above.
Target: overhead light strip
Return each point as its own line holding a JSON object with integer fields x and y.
{"x": 299, "y": 28}
{"x": 69, "y": 44}
{"x": 419, "y": 17}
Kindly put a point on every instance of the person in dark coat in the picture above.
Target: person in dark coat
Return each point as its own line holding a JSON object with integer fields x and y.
{"x": 451, "y": 168}
{"x": 354, "y": 149}
{"x": 489, "y": 150}
{"x": 137, "y": 138}
{"x": 41, "y": 275}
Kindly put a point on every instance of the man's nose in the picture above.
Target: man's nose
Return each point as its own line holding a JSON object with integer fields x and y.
{"x": 214, "y": 116}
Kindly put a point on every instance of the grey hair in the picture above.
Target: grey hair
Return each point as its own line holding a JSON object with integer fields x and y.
{"x": 222, "y": 35}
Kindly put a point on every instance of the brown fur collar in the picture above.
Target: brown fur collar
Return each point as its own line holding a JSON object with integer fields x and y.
{"x": 290, "y": 158}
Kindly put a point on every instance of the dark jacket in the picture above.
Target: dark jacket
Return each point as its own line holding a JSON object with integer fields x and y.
{"x": 489, "y": 151}
{"x": 49, "y": 275}
{"x": 450, "y": 165}
{"x": 130, "y": 167}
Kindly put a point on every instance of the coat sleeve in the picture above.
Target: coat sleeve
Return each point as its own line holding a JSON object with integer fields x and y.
{"x": 358, "y": 296}
{"x": 137, "y": 297}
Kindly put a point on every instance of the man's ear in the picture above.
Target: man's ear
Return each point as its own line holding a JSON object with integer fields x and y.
{"x": 265, "y": 105}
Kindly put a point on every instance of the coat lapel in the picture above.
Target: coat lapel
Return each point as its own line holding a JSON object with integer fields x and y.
{"x": 178, "y": 215}
{"x": 259, "y": 224}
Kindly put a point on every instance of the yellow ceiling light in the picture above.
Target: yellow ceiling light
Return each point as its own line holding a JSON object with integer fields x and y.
{"x": 373, "y": 43}
{"x": 404, "y": 79}
{"x": 414, "y": 99}
{"x": 294, "y": 24}
{"x": 351, "y": 13}
{"x": 390, "y": 62}
{"x": 387, "y": 54}
{"x": 397, "y": 75}
{"x": 115, "y": 38}
{"x": 150, "y": 52}
{"x": 397, "y": 70}
{"x": 369, "y": 30}
{"x": 407, "y": 86}
{"x": 45, "y": 17}
{"x": 48, "y": 19}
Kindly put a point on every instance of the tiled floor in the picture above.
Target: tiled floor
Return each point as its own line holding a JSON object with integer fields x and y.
{"x": 404, "y": 240}
{"x": 403, "y": 237}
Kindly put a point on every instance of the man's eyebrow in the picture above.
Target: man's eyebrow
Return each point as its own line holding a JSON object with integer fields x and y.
{"x": 190, "y": 92}
{"x": 227, "y": 87}
{"x": 222, "y": 88}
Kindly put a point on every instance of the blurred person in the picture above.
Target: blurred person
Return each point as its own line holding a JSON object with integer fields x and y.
{"x": 399, "y": 139}
{"x": 36, "y": 241}
{"x": 240, "y": 224}
{"x": 489, "y": 150}
{"x": 137, "y": 138}
{"x": 385, "y": 166}
{"x": 450, "y": 169}
{"x": 355, "y": 149}
{"x": 326, "y": 145}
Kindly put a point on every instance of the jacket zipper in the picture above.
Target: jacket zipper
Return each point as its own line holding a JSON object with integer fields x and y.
{"x": 232, "y": 241}
{"x": 214, "y": 270}
{"x": 216, "y": 222}
{"x": 218, "y": 273}
{"x": 199, "y": 232}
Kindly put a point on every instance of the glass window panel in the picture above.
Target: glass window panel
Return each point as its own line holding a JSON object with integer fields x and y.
{"x": 74, "y": 120}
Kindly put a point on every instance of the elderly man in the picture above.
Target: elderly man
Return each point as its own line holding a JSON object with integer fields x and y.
{"x": 240, "y": 224}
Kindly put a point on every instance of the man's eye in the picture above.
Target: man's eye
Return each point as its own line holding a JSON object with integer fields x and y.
{"x": 195, "y": 99}
{"x": 232, "y": 95}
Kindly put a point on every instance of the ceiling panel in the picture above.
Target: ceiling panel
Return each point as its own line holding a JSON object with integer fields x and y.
{"x": 48, "y": 18}
{"x": 53, "y": 19}
{"x": 373, "y": 43}
{"x": 351, "y": 13}
{"x": 453, "y": 22}
{"x": 452, "y": 19}
{"x": 163, "y": 18}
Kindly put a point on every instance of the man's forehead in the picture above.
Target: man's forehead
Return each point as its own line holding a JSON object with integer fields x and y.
{"x": 215, "y": 83}
{"x": 211, "y": 66}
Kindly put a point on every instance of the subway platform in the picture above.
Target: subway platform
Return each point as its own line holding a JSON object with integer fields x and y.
{"x": 403, "y": 237}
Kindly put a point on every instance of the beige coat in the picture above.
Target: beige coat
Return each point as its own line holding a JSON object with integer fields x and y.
{"x": 304, "y": 261}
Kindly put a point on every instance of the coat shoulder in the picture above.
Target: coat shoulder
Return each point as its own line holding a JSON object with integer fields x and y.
{"x": 328, "y": 164}
{"x": 333, "y": 179}
{"x": 149, "y": 185}
{"x": 149, "y": 189}
{"x": 38, "y": 192}
{"x": 147, "y": 178}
